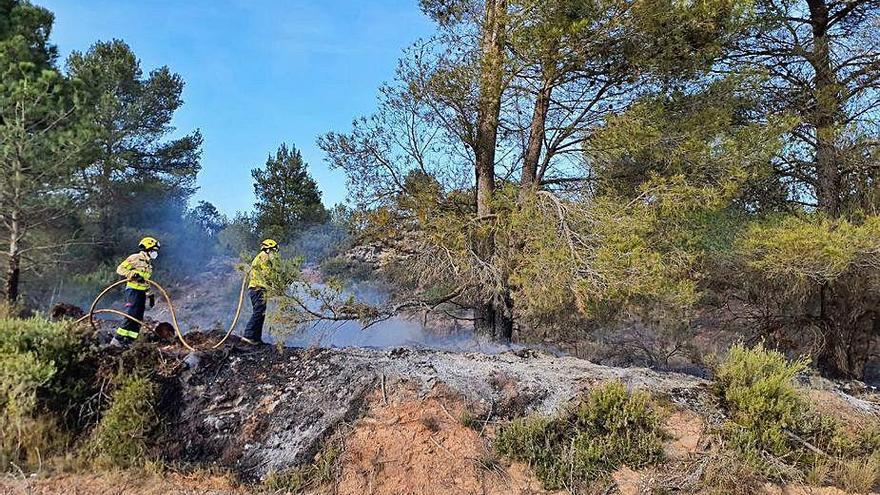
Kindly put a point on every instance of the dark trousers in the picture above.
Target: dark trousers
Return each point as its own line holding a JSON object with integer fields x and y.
{"x": 135, "y": 305}
{"x": 254, "y": 328}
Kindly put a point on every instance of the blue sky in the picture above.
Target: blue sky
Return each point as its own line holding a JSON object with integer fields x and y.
{"x": 257, "y": 72}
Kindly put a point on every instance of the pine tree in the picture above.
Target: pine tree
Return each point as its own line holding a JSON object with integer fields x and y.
{"x": 288, "y": 198}
{"x": 134, "y": 172}
{"x": 41, "y": 136}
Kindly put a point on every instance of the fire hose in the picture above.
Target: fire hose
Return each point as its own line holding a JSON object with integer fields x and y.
{"x": 93, "y": 310}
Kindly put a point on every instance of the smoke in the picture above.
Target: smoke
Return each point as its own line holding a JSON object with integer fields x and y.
{"x": 399, "y": 331}
{"x": 204, "y": 286}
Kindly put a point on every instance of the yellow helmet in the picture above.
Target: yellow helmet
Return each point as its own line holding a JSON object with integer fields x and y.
{"x": 268, "y": 244}
{"x": 149, "y": 243}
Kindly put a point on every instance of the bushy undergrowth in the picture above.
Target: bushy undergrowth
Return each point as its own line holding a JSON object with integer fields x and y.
{"x": 776, "y": 431}
{"x": 48, "y": 372}
{"x": 36, "y": 358}
{"x": 610, "y": 428}
{"x": 122, "y": 435}
{"x": 758, "y": 388}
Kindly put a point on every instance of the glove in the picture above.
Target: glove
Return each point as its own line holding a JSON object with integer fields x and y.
{"x": 137, "y": 278}
{"x": 152, "y": 299}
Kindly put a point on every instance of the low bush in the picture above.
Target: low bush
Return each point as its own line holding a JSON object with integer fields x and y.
{"x": 757, "y": 386}
{"x": 122, "y": 436}
{"x": 774, "y": 429}
{"x": 610, "y": 428}
{"x": 36, "y": 356}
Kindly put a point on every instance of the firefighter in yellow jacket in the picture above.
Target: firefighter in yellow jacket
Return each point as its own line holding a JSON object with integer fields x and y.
{"x": 260, "y": 267}
{"x": 137, "y": 269}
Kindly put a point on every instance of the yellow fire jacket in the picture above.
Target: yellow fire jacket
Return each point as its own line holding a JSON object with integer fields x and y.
{"x": 136, "y": 264}
{"x": 260, "y": 267}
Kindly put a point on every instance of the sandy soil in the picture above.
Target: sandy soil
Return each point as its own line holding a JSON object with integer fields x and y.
{"x": 407, "y": 445}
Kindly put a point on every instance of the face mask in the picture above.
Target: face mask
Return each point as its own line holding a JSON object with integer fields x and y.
{"x": 154, "y": 255}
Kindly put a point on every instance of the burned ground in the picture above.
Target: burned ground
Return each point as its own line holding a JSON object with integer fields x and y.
{"x": 261, "y": 410}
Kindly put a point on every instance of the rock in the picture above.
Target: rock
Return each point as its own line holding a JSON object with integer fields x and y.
{"x": 192, "y": 360}
{"x": 65, "y": 310}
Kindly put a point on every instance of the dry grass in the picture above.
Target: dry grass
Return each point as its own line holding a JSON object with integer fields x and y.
{"x": 858, "y": 475}
{"x": 819, "y": 472}
{"x": 136, "y": 481}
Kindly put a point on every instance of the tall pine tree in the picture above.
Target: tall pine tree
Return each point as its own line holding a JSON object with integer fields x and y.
{"x": 41, "y": 136}
{"x": 135, "y": 172}
{"x": 288, "y": 198}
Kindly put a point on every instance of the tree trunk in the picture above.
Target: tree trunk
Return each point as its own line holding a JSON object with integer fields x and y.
{"x": 537, "y": 129}
{"x": 491, "y": 75}
{"x": 832, "y": 360}
{"x": 847, "y": 333}
{"x": 489, "y": 108}
{"x": 836, "y": 358}
{"x": 504, "y": 319}
{"x": 13, "y": 268}
{"x": 826, "y": 113}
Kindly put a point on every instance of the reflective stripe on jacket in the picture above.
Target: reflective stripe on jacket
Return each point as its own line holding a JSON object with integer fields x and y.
{"x": 259, "y": 267}
{"x": 140, "y": 264}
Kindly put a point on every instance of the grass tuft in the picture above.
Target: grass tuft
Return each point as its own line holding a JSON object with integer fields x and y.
{"x": 298, "y": 479}
{"x": 858, "y": 475}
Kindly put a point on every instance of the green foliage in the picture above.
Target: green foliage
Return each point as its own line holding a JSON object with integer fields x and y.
{"x": 209, "y": 218}
{"x": 133, "y": 170}
{"x": 810, "y": 259}
{"x": 239, "y": 237}
{"x": 122, "y": 436}
{"x": 809, "y": 250}
{"x": 698, "y": 135}
{"x": 610, "y": 428}
{"x": 24, "y": 34}
{"x": 300, "y": 301}
{"x": 774, "y": 429}
{"x": 35, "y": 355}
{"x": 288, "y": 198}
{"x": 758, "y": 388}
{"x": 41, "y": 136}
{"x": 680, "y": 40}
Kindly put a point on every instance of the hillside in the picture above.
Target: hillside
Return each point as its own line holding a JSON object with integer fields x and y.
{"x": 352, "y": 421}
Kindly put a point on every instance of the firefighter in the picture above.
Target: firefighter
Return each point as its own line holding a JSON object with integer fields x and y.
{"x": 253, "y": 332}
{"x": 137, "y": 269}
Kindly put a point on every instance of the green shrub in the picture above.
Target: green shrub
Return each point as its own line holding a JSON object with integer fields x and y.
{"x": 774, "y": 429}
{"x": 757, "y": 386}
{"x": 35, "y": 355}
{"x": 612, "y": 427}
{"x": 123, "y": 433}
